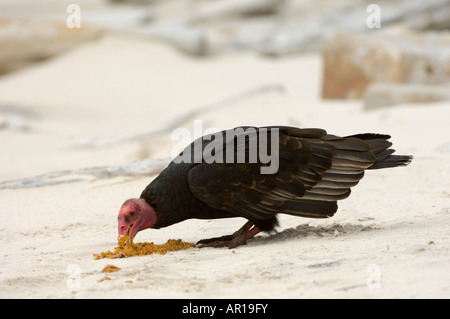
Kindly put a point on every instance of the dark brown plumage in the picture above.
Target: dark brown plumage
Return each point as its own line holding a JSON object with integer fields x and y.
{"x": 315, "y": 170}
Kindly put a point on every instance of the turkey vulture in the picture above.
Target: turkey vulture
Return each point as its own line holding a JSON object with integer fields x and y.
{"x": 219, "y": 176}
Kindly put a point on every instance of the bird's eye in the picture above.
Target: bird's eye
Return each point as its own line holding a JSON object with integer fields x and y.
{"x": 132, "y": 213}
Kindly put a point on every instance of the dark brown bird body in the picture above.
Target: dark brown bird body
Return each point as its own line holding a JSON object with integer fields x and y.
{"x": 315, "y": 170}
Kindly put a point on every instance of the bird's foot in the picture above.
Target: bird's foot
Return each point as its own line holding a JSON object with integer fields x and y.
{"x": 239, "y": 238}
{"x": 215, "y": 240}
{"x": 231, "y": 243}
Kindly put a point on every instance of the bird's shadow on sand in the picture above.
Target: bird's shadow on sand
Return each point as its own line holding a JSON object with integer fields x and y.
{"x": 305, "y": 231}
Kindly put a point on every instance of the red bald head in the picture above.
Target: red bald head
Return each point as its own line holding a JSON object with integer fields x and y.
{"x": 135, "y": 215}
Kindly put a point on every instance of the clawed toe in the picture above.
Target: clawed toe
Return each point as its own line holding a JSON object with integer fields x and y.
{"x": 239, "y": 238}
{"x": 215, "y": 239}
{"x": 233, "y": 243}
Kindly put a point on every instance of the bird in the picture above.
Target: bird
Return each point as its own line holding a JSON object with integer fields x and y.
{"x": 208, "y": 180}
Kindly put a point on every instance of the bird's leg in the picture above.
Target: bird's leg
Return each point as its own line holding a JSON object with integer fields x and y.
{"x": 238, "y": 238}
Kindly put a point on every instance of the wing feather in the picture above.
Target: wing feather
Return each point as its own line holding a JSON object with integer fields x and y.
{"x": 315, "y": 171}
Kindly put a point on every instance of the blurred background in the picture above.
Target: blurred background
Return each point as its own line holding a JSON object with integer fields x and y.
{"x": 103, "y": 82}
{"x": 92, "y": 90}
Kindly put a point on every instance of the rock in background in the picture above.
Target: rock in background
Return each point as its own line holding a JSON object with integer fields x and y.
{"x": 352, "y": 61}
{"x": 24, "y": 41}
{"x": 387, "y": 94}
{"x": 354, "y": 55}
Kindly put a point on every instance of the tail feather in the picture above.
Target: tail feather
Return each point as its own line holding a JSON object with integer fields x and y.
{"x": 377, "y": 146}
{"x": 310, "y": 208}
{"x": 380, "y": 146}
{"x": 392, "y": 161}
{"x": 382, "y": 155}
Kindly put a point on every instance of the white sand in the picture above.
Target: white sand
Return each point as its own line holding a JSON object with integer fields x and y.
{"x": 389, "y": 239}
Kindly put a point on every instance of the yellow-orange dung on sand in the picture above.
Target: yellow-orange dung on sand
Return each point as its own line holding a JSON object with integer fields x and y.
{"x": 142, "y": 249}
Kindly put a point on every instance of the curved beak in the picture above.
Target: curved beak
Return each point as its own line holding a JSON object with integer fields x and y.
{"x": 131, "y": 233}
{"x": 123, "y": 230}
{"x": 127, "y": 230}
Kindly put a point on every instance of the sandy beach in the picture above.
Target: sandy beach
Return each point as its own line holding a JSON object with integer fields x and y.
{"x": 389, "y": 239}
